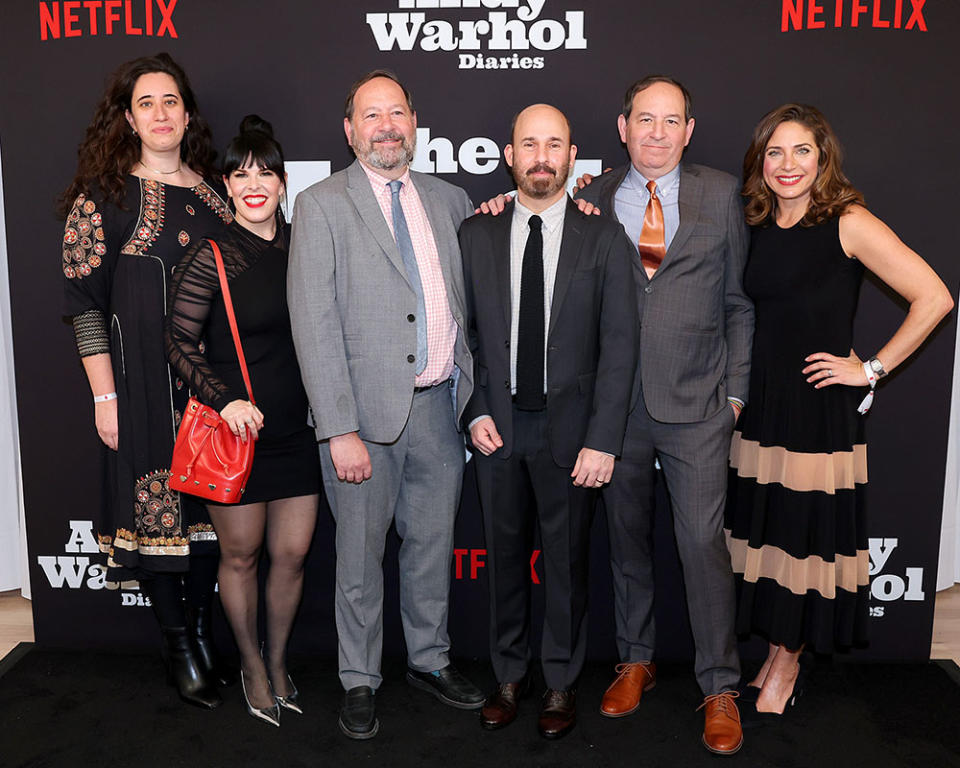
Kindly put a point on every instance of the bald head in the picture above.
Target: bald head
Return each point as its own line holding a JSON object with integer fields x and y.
{"x": 542, "y": 111}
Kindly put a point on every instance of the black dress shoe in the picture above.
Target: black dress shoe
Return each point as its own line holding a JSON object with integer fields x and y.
{"x": 449, "y": 686}
{"x": 558, "y": 714}
{"x": 358, "y": 719}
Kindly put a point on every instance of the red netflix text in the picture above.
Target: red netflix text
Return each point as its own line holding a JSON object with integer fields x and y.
{"x": 76, "y": 18}
{"x": 475, "y": 560}
{"x": 878, "y": 14}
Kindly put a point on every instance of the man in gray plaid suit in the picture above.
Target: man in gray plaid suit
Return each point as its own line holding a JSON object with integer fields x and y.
{"x": 696, "y": 330}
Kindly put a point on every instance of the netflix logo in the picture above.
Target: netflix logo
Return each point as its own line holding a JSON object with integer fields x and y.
{"x": 78, "y": 18}
{"x": 468, "y": 562}
{"x": 878, "y": 14}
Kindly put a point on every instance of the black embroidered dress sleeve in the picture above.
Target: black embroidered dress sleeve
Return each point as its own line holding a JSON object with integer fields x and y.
{"x": 89, "y": 257}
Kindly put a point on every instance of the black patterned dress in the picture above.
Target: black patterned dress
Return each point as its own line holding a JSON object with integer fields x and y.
{"x": 117, "y": 265}
{"x": 795, "y": 518}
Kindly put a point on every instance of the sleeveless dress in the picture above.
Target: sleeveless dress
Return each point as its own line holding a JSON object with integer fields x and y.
{"x": 117, "y": 264}
{"x": 794, "y": 519}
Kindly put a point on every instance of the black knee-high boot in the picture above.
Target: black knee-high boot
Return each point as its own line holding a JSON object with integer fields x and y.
{"x": 179, "y": 653}
{"x": 200, "y": 583}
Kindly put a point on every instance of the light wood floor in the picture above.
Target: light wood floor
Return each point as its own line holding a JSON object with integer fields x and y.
{"x": 16, "y": 623}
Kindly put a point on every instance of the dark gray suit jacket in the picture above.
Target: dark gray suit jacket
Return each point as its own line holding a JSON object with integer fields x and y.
{"x": 591, "y": 341}
{"x": 696, "y": 322}
{"x": 350, "y": 297}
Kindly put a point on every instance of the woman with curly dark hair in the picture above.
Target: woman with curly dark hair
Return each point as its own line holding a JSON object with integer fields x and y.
{"x": 137, "y": 201}
{"x": 795, "y": 516}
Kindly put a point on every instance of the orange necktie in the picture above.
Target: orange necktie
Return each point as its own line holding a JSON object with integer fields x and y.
{"x": 651, "y": 243}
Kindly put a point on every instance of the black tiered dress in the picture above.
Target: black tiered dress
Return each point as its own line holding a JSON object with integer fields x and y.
{"x": 795, "y": 520}
{"x": 286, "y": 461}
{"x": 117, "y": 262}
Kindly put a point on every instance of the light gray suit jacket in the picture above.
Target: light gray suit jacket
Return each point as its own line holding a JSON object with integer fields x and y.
{"x": 696, "y": 322}
{"x": 349, "y": 299}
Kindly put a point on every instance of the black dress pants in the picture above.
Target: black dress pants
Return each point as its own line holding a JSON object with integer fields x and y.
{"x": 515, "y": 492}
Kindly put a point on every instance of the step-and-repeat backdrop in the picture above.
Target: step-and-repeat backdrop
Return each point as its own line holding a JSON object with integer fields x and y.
{"x": 879, "y": 69}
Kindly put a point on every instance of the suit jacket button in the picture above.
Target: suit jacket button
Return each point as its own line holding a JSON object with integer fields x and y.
{"x": 411, "y": 358}
{"x": 648, "y": 289}
{"x": 411, "y": 318}
{"x": 506, "y": 384}
{"x": 507, "y": 343}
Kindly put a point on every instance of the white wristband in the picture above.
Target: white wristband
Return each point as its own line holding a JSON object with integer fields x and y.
{"x": 105, "y": 398}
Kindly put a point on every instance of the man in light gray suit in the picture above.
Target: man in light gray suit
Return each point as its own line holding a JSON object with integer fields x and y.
{"x": 375, "y": 287}
{"x": 696, "y": 331}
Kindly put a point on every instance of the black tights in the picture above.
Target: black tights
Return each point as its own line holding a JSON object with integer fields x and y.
{"x": 287, "y": 526}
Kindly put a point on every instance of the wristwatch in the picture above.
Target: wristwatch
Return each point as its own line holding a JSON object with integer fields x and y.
{"x": 877, "y": 367}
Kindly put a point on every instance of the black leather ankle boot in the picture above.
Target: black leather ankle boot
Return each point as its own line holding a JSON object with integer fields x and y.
{"x": 184, "y": 671}
{"x": 211, "y": 662}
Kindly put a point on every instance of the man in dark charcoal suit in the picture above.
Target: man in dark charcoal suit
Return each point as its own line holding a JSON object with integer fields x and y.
{"x": 696, "y": 329}
{"x": 552, "y": 327}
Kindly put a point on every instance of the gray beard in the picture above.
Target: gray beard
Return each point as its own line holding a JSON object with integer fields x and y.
{"x": 375, "y": 159}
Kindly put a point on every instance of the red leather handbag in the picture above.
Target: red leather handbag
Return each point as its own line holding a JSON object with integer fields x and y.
{"x": 208, "y": 459}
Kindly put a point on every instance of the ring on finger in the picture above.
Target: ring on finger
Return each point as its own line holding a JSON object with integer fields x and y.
{"x": 830, "y": 372}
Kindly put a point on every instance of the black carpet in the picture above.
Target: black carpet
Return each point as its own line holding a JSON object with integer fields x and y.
{"x": 75, "y": 710}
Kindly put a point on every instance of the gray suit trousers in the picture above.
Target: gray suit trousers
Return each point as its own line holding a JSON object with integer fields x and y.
{"x": 416, "y": 483}
{"x": 693, "y": 458}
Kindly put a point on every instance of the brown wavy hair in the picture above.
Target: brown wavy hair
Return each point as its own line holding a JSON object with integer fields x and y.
{"x": 832, "y": 192}
{"x": 109, "y": 149}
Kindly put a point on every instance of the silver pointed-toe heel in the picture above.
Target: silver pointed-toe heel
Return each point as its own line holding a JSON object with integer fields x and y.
{"x": 291, "y": 701}
{"x": 268, "y": 715}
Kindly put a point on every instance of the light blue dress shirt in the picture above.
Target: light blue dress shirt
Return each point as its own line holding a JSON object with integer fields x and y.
{"x": 630, "y": 203}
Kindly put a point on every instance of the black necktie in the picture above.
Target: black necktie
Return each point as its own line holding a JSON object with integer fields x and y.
{"x": 530, "y": 333}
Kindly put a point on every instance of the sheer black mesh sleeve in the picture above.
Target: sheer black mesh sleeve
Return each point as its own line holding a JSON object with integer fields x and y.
{"x": 194, "y": 287}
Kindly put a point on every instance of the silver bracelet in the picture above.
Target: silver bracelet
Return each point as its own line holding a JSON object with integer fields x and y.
{"x": 105, "y": 398}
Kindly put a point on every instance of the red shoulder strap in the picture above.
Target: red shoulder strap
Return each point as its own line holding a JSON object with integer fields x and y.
{"x": 228, "y": 304}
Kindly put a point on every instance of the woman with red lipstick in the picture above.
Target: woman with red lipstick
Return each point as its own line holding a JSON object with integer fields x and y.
{"x": 138, "y": 199}
{"x": 795, "y": 516}
{"x": 279, "y": 505}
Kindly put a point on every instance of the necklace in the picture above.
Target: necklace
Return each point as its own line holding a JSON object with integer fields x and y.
{"x": 161, "y": 173}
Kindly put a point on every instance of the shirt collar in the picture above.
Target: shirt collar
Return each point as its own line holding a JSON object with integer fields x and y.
{"x": 665, "y": 183}
{"x": 552, "y": 217}
{"x": 382, "y": 181}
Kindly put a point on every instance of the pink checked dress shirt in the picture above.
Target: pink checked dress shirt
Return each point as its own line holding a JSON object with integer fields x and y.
{"x": 441, "y": 327}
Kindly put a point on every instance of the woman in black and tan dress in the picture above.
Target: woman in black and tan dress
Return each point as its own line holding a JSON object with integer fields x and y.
{"x": 138, "y": 200}
{"x": 795, "y": 515}
{"x": 279, "y": 505}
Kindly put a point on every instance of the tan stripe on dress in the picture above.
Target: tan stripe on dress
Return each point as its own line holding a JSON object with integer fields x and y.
{"x": 799, "y": 575}
{"x": 797, "y": 471}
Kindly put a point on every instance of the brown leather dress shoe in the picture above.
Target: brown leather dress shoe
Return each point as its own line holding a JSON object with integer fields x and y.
{"x": 722, "y": 733}
{"x": 623, "y": 696}
{"x": 500, "y": 708}
{"x": 558, "y": 713}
